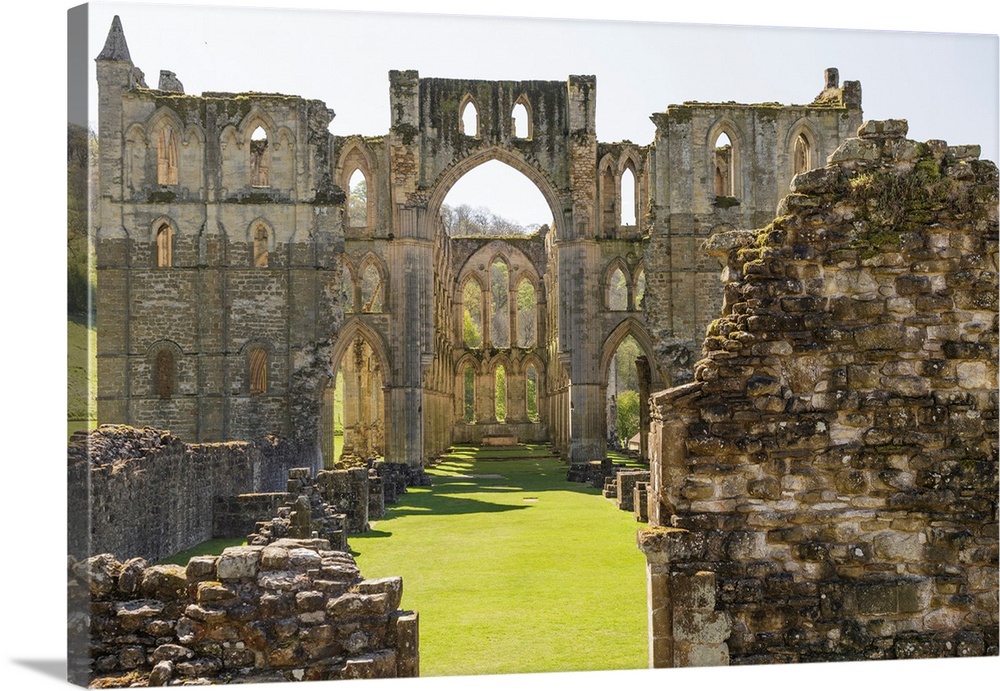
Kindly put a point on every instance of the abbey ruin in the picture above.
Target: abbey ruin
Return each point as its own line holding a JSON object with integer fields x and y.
{"x": 814, "y": 301}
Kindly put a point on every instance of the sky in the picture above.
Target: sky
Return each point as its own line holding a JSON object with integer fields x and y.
{"x": 944, "y": 84}
{"x": 33, "y": 177}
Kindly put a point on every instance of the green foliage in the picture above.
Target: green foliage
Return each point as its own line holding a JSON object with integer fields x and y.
{"x": 500, "y": 393}
{"x": 531, "y": 400}
{"x": 81, "y": 376}
{"x": 357, "y": 204}
{"x": 520, "y": 571}
{"x": 80, "y": 198}
{"x": 628, "y": 415}
{"x": 471, "y": 331}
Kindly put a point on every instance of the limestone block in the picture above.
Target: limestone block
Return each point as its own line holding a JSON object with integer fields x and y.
{"x": 701, "y": 627}
{"x": 701, "y": 655}
{"x": 237, "y": 563}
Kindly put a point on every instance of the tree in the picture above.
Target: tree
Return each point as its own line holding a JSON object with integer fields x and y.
{"x": 357, "y": 202}
{"x": 464, "y": 220}
{"x": 628, "y": 415}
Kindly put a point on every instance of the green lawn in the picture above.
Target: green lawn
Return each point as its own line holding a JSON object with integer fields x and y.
{"x": 520, "y": 573}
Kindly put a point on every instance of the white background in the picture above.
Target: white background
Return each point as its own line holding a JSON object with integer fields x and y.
{"x": 32, "y": 103}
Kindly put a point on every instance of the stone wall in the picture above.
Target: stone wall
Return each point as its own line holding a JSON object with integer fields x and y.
{"x": 144, "y": 492}
{"x": 833, "y": 466}
{"x": 291, "y": 611}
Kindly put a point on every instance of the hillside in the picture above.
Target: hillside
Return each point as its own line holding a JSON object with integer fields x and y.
{"x": 81, "y": 408}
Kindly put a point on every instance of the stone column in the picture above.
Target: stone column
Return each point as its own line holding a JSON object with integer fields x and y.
{"x": 643, "y": 375}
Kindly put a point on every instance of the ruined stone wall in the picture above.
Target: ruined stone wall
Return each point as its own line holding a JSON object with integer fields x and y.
{"x": 683, "y": 289}
{"x": 293, "y": 610}
{"x": 146, "y": 493}
{"x": 251, "y": 260}
{"x": 832, "y": 469}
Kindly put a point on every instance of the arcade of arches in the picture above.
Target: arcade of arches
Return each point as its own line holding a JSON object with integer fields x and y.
{"x": 233, "y": 223}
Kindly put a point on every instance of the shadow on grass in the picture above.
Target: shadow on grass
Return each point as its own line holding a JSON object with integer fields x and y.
{"x": 446, "y": 505}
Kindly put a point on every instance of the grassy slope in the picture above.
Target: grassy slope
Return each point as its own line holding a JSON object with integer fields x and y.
{"x": 524, "y": 573}
{"x": 80, "y": 360}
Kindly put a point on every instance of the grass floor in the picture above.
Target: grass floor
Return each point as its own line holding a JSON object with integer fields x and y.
{"x": 512, "y": 568}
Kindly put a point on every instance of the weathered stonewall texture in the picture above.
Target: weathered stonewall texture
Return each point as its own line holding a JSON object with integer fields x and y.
{"x": 293, "y": 610}
{"x": 833, "y": 466}
{"x": 144, "y": 492}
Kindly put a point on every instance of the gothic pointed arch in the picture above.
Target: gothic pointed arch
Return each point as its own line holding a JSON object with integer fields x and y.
{"x": 469, "y": 120}
{"x": 165, "y": 130}
{"x": 354, "y": 328}
{"x": 802, "y": 147}
{"x": 608, "y": 195}
{"x": 617, "y": 279}
{"x": 630, "y": 326}
{"x": 724, "y": 163}
{"x": 628, "y": 188}
{"x": 513, "y": 158}
{"x": 260, "y": 238}
{"x": 373, "y": 276}
{"x": 163, "y": 236}
{"x": 521, "y": 117}
{"x": 356, "y": 157}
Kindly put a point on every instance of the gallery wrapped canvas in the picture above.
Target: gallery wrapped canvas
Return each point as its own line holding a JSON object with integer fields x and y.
{"x": 400, "y": 358}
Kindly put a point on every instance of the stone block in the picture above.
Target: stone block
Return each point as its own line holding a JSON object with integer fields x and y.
{"x": 701, "y": 655}
{"x": 237, "y": 563}
{"x": 693, "y": 626}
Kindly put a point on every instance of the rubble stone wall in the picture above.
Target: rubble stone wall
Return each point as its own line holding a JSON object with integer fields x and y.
{"x": 289, "y": 611}
{"x": 144, "y": 492}
{"x": 834, "y": 462}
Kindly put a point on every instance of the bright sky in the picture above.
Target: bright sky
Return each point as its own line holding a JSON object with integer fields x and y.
{"x": 944, "y": 84}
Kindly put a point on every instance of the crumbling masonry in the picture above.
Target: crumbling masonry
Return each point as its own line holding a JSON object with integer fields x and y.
{"x": 826, "y": 487}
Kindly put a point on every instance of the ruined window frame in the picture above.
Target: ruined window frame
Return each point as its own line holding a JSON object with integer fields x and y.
{"x": 612, "y": 298}
{"x": 469, "y": 101}
{"x": 166, "y": 155}
{"x": 257, "y": 370}
{"x": 628, "y": 166}
{"x": 801, "y": 144}
{"x": 378, "y": 296}
{"x": 259, "y": 163}
{"x": 164, "y": 242}
{"x": 524, "y": 103}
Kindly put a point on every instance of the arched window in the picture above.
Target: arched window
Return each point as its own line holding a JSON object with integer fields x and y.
{"x": 525, "y": 314}
{"x": 347, "y": 291}
{"x": 802, "y": 154}
{"x": 260, "y": 242}
{"x": 469, "y": 118}
{"x": 531, "y": 393}
{"x": 164, "y": 374}
{"x": 469, "y": 393}
{"x": 499, "y": 309}
{"x": 257, "y": 366}
{"x": 639, "y": 292}
{"x": 617, "y": 291}
{"x": 164, "y": 246}
{"x": 472, "y": 314}
{"x": 608, "y": 219}
{"x": 724, "y": 166}
{"x": 500, "y": 393}
{"x": 260, "y": 159}
{"x": 521, "y": 119}
{"x": 371, "y": 289}
{"x": 357, "y": 200}
{"x": 628, "y": 196}
{"x": 166, "y": 156}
